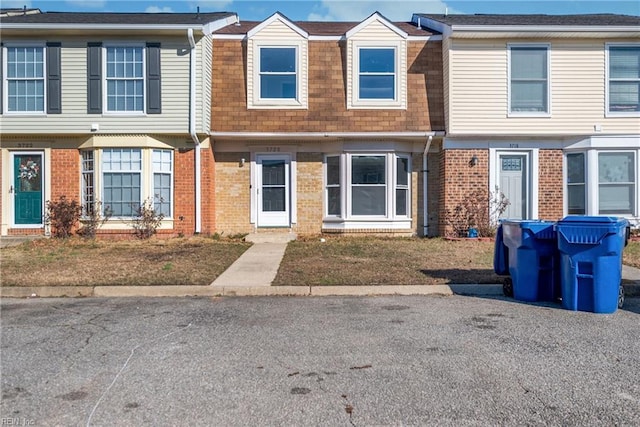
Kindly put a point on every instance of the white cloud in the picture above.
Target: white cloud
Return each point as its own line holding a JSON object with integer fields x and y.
{"x": 93, "y": 4}
{"x": 157, "y": 9}
{"x": 357, "y": 10}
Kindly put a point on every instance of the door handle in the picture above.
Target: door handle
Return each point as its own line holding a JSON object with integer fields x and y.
{"x": 11, "y": 189}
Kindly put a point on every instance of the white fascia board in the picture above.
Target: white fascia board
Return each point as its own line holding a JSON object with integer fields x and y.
{"x": 438, "y": 26}
{"x": 220, "y": 23}
{"x": 376, "y": 17}
{"x": 277, "y": 17}
{"x": 545, "y": 28}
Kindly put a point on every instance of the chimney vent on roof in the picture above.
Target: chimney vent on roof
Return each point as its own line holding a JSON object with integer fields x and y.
{"x": 197, "y": 12}
{"x": 24, "y": 10}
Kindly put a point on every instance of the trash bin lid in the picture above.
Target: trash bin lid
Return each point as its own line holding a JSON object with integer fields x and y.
{"x": 593, "y": 220}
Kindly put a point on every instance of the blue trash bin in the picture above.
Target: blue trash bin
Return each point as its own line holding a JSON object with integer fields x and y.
{"x": 500, "y": 254}
{"x": 533, "y": 259}
{"x": 591, "y": 262}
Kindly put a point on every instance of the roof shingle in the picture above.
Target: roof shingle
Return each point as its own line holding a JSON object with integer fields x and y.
{"x": 116, "y": 18}
{"x": 536, "y": 20}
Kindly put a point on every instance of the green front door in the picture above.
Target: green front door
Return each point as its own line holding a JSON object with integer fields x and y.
{"x": 27, "y": 188}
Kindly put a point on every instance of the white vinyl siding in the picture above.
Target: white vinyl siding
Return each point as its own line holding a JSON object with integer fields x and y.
{"x": 74, "y": 118}
{"x": 478, "y": 91}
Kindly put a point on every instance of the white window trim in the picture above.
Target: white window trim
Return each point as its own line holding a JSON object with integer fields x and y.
{"x": 608, "y": 113}
{"x": 356, "y": 102}
{"x": 171, "y": 174}
{"x": 146, "y": 184}
{"x": 565, "y": 181}
{"x": 368, "y": 221}
{"x": 143, "y": 180}
{"x": 592, "y": 202}
{"x": 341, "y": 180}
{"x": 549, "y": 100}
{"x": 5, "y": 79}
{"x": 105, "y": 97}
{"x": 596, "y": 178}
{"x": 297, "y": 102}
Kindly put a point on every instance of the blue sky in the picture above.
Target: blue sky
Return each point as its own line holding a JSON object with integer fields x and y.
{"x": 335, "y": 10}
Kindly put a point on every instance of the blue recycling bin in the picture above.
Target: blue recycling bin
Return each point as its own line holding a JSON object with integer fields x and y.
{"x": 533, "y": 259}
{"x": 500, "y": 254}
{"x": 590, "y": 250}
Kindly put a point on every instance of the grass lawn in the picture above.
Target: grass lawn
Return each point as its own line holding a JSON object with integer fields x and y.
{"x": 307, "y": 261}
{"x": 73, "y": 262}
{"x": 386, "y": 261}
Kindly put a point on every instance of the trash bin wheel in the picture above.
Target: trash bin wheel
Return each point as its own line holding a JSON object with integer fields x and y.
{"x": 620, "y": 296}
{"x": 507, "y": 287}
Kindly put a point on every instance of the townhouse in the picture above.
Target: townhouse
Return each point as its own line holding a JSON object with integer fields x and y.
{"x": 317, "y": 127}
{"x": 110, "y": 108}
{"x": 545, "y": 109}
{"x": 330, "y": 127}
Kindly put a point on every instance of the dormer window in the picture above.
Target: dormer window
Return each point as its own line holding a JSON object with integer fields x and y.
{"x": 377, "y": 73}
{"x": 278, "y": 73}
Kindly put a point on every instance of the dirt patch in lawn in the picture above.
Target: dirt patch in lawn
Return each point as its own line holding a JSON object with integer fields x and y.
{"x": 387, "y": 261}
{"x": 73, "y": 262}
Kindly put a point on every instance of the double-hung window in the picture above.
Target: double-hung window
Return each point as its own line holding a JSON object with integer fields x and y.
{"x": 624, "y": 79}
{"x": 278, "y": 72}
{"x": 529, "y": 80}
{"x": 377, "y": 73}
{"x": 363, "y": 187}
{"x": 25, "y": 79}
{"x": 125, "y": 79}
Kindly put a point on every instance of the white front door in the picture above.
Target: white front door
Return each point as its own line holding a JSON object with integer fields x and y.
{"x": 513, "y": 183}
{"x": 273, "y": 190}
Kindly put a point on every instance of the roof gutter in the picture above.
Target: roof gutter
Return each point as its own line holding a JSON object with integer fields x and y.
{"x": 192, "y": 130}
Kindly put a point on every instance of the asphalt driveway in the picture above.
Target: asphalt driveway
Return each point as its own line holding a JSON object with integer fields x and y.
{"x": 317, "y": 361}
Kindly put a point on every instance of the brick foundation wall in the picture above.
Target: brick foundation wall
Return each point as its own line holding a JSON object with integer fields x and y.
{"x": 327, "y": 110}
{"x": 550, "y": 185}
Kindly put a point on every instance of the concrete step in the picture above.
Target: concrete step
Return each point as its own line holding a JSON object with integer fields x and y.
{"x": 271, "y": 237}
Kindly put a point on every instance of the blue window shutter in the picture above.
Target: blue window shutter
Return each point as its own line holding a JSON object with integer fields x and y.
{"x": 154, "y": 87}
{"x": 94, "y": 78}
{"x": 54, "y": 88}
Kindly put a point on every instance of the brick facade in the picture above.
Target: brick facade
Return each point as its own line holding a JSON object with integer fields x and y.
{"x": 327, "y": 110}
{"x": 550, "y": 185}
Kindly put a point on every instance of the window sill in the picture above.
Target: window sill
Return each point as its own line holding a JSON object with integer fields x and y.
{"x": 368, "y": 224}
{"x": 529, "y": 115}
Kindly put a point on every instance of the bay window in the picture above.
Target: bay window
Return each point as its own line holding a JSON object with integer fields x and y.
{"x": 122, "y": 179}
{"x": 367, "y": 187}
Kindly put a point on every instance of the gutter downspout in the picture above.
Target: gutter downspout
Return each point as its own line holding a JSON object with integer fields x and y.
{"x": 192, "y": 130}
{"x": 425, "y": 214}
